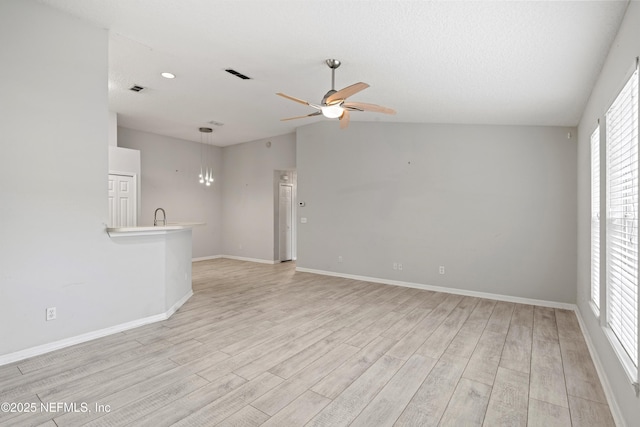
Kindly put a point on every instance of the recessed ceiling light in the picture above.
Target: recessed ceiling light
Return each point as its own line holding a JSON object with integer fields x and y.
{"x": 168, "y": 75}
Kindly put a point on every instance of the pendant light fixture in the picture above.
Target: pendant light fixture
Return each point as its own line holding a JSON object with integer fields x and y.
{"x": 206, "y": 137}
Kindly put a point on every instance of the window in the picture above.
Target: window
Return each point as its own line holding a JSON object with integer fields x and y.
{"x": 622, "y": 219}
{"x": 595, "y": 219}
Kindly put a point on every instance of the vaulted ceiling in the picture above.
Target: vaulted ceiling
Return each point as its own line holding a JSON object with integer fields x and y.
{"x": 475, "y": 62}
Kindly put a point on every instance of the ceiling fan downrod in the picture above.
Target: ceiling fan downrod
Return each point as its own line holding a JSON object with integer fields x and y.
{"x": 333, "y": 64}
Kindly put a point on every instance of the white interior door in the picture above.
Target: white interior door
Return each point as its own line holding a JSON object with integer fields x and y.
{"x": 122, "y": 201}
{"x": 113, "y": 196}
{"x": 285, "y": 220}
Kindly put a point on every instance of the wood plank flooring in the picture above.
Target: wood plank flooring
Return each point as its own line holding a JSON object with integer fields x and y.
{"x": 265, "y": 345}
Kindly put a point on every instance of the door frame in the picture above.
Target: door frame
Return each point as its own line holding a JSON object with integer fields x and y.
{"x": 280, "y": 213}
{"x": 278, "y": 175}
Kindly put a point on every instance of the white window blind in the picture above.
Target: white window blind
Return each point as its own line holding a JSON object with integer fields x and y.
{"x": 622, "y": 221}
{"x": 595, "y": 218}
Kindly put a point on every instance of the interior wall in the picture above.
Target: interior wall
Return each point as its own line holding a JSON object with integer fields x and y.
{"x": 494, "y": 205}
{"x": 113, "y": 129}
{"x": 170, "y": 169}
{"x": 248, "y": 193}
{"x": 621, "y": 59}
{"x": 124, "y": 160}
{"x": 55, "y": 251}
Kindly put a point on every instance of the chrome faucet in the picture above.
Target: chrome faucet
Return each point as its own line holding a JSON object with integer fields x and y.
{"x": 155, "y": 217}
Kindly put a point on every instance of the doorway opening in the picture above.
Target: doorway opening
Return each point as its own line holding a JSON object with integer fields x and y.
{"x": 285, "y": 214}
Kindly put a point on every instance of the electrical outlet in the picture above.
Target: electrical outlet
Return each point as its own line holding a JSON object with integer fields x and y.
{"x": 399, "y": 266}
{"x": 339, "y": 258}
{"x": 441, "y": 269}
{"x": 395, "y": 265}
{"x": 51, "y": 313}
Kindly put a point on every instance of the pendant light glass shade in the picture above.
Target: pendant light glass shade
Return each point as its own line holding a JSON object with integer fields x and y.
{"x": 206, "y": 137}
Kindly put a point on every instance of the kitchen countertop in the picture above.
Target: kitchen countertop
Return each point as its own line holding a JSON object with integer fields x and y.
{"x": 150, "y": 230}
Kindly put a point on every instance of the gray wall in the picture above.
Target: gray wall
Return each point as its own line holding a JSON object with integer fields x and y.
{"x": 170, "y": 169}
{"x": 248, "y": 193}
{"x": 495, "y": 205}
{"x": 624, "y": 50}
{"x": 54, "y": 250}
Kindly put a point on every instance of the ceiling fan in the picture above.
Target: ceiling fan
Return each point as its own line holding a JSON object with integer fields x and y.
{"x": 334, "y": 104}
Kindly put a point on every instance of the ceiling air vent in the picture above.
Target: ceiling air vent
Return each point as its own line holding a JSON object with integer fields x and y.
{"x": 237, "y": 74}
{"x": 136, "y": 88}
{"x": 213, "y": 122}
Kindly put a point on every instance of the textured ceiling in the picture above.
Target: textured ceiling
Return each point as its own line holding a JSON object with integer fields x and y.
{"x": 481, "y": 62}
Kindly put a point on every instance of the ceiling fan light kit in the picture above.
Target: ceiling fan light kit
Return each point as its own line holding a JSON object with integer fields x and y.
{"x": 334, "y": 105}
{"x": 332, "y": 111}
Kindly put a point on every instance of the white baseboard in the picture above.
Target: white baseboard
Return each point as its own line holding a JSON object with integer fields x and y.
{"x": 206, "y": 258}
{"x": 499, "y": 297}
{"x": 239, "y": 258}
{"x": 606, "y": 386}
{"x": 78, "y": 339}
{"x": 177, "y": 305}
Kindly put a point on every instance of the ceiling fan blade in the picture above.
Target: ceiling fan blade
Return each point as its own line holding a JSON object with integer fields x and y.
{"x": 317, "y": 113}
{"x": 292, "y": 98}
{"x": 344, "y": 119}
{"x": 346, "y": 92}
{"x": 362, "y": 106}
{"x": 300, "y": 101}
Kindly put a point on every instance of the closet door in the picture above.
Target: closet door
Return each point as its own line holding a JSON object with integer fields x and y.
{"x": 122, "y": 201}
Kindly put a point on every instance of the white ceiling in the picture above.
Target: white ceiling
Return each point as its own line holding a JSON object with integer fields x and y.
{"x": 481, "y": 62}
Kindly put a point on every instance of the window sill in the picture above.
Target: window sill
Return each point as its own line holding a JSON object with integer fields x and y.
{"x": 630, "y": 369}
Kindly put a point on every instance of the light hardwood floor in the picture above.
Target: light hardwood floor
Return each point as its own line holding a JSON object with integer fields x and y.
{"x": 264, "y": 345}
